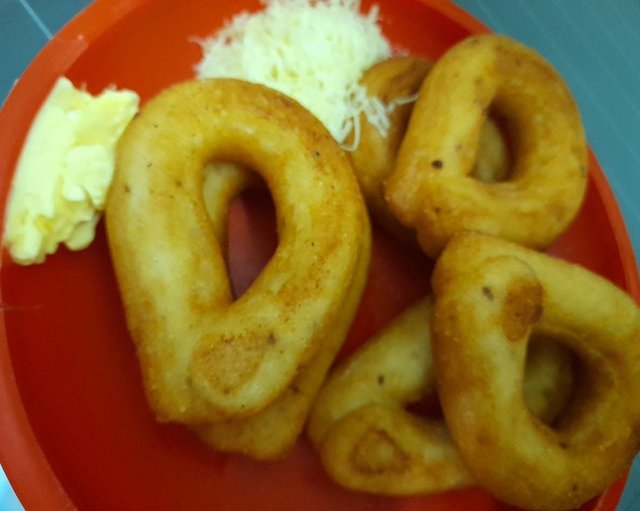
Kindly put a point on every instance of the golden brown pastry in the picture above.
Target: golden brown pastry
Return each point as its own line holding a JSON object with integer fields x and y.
{"x": 369, "y": 440}
{"x": 431, "y": 190}
{"x": 205, "y": 356}
{"x": 491, "y": 297}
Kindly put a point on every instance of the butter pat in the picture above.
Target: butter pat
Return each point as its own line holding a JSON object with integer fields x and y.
{"x": 64, "y": 171}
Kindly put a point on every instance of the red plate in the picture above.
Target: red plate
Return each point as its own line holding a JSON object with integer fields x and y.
{"x": 75, "y": 430}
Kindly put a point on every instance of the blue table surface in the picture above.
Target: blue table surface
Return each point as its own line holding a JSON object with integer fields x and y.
{"x": 595, "y": 44}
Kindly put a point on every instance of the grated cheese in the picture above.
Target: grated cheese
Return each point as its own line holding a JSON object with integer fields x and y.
{"x": 315, "y": 51}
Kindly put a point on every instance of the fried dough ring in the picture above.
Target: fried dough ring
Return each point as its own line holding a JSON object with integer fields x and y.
{"x": 366, "y": 438}
{"x": 395, "y": 82}
{"x": 490, "y": 297}
{"x": 270, "y": 433}
{"x": 203, "y": 355}
{"x": 430, "y": 189}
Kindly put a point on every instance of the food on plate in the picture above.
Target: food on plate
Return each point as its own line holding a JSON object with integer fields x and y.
{"x": 204, "y": 356}
{"x": 314, "y": 51}
{"x": 487, "y": 138}
{"x": 64, "y": 170}
{"x": 430, "y": 189}
{"x": 365, "y": 438}
{"x": 396, "y": 82}
{"x": 369, "y": 440}
{"x": 270, "y": 433}
{"x": 491, "y": 297}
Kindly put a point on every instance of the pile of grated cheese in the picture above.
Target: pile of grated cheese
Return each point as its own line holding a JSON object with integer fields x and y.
{"x": 315, "y": 51}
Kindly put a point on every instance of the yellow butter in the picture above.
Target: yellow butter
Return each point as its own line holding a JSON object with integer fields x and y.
{"x": 64, "y": 171}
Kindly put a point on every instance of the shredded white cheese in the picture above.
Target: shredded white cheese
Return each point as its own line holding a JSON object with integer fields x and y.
{"x": 315, "y": 51}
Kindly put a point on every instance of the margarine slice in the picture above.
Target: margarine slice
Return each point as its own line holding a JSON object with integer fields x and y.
{"x": 64, "y": 171}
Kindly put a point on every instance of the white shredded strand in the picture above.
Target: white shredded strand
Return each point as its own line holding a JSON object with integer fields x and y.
{"x": 355, "y": 127}
{"x": 405, "y": 100}
{"x": 315, "y": 51}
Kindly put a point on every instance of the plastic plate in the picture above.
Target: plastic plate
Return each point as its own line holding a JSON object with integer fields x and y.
{"x": 75, "y": 429}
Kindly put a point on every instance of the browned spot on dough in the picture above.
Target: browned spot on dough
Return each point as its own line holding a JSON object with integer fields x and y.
{"x": 231, "y": 361}
{"x": 377, "y": 453}
{"x": 522, "y": 307}
{"x": 485, "y": 439}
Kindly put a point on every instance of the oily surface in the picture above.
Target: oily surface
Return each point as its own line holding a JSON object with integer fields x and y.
{"x": 491, "y": 296}
{"x": 205, "y": 356}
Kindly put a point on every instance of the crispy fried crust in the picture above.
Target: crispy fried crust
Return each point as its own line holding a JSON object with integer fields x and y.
{"x": 203, "y": 355}
{"x": 270, "y": 433}
{"x": 395, "y": 82}
{"x": 431, "y": 189}
{"x": 491, "y": 296}
{"x": 366, "y": 438}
